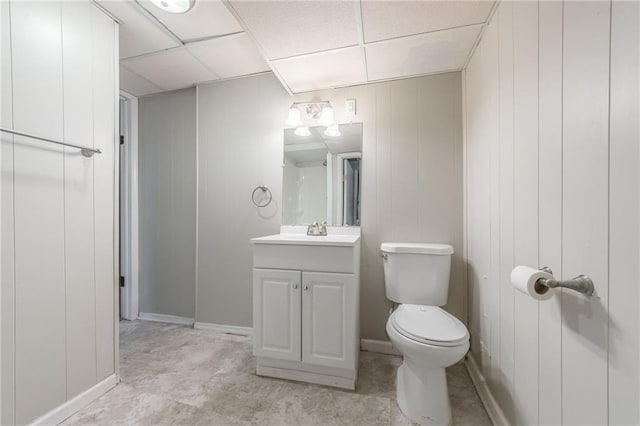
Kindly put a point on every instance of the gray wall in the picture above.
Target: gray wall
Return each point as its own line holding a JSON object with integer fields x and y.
{"x": 412, "y": 183}
{"x": 167, "y": 181}
{"x": 240, "y": 147}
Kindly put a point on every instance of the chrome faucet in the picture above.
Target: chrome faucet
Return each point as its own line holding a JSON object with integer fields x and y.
{"x": 317, "y": 229}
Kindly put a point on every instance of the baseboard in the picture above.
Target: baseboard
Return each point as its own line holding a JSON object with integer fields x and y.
{"x": 488, "y": 400}
{"x": 59, "y": 414}
{"x": 379, "y": 346}
{"x": 221, "y": 328}
{"x": 169, "y": 319}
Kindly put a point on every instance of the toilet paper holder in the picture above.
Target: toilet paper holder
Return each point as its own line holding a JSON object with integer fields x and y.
{"x": 582, "y": 283}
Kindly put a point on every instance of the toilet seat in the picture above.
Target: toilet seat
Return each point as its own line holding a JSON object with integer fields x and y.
{"x": 430, "y": 325}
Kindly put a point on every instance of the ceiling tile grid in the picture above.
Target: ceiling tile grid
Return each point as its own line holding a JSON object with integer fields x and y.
{"x": 428, "y": 53}
{"x": 209, "y": 18}
{"x": 309, "y": 44}
{"x": 138, "y": 34}
{"x": 230, "y": 56}
{"x": 384, "y": 20}
{"x": 322, "y": 70}
{"x": 172, "y": 70}
{"x": 290, "y": 28}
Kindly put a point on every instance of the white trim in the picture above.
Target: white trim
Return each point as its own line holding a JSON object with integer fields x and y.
{"x": 131, "y": 266}
{"x": 488, "y": 400}
{"x": 197, "y": 218}
{"x": 64, "y": 411}
{"x": 221, "y": 328}
{"x": 169, "y": 319}
{"x": 378, "y": 346}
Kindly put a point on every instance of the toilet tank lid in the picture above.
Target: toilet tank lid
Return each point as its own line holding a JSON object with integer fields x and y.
{"x": 417, "y": 248}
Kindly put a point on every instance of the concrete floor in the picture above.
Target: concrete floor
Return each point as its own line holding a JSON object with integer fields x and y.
{"x": 174, "y": 375}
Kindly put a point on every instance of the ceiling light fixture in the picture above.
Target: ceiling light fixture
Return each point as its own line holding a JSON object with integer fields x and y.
{"x": 174, "y": 6}
{"x": 293, "y": 120}
{"x": 327, "y": 116}
{"x": 322, "y": 111}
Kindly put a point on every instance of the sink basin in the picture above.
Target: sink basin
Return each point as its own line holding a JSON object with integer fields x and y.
{"x": 303, "y": 239}
{"x": 293, "y": 249}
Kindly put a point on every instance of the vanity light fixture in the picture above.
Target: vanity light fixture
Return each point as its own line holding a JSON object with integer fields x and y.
{"x": 302, "y": 131}
{"x": 321, "y": 110}
{"x": 293, "y": 120}
{"x": 327, "y": 116}
{"x": 332, "y": 131}
{"x": 174, "y": 6}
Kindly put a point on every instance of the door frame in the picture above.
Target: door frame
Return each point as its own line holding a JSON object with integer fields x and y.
{"x": 130, "y": 267}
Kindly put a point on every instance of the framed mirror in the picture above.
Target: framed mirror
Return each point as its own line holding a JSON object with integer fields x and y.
{"x": 322, "y": 177}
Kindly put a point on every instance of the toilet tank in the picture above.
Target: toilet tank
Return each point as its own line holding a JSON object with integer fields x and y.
{"x": 417, "y": 273}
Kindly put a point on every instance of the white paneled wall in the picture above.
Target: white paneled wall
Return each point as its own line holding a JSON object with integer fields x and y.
{"x": 58, "y": 278}
{"x": 552, "y": 165}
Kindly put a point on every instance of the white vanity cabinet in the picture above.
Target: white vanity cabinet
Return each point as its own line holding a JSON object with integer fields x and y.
{"x": 306, "y": 309}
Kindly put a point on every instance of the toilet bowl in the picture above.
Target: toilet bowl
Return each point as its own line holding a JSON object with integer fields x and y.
{"x": 416, "y": 275}
{"x": 429, "y": 339}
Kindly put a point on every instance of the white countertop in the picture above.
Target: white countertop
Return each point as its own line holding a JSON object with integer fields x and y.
{"x": 308, "y": 240}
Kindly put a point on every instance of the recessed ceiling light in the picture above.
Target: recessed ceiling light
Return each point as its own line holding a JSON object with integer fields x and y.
{"x": 174, "y": 6}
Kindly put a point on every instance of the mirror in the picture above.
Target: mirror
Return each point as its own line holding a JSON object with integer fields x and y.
{"x": 322, "y": 177}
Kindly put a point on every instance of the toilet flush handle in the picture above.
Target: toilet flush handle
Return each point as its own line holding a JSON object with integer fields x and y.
{"x": 384, "y": 255}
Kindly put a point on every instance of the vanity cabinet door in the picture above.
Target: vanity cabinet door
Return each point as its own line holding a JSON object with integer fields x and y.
{"x": 329, "y": 308}
{"x": 276, "y": 314}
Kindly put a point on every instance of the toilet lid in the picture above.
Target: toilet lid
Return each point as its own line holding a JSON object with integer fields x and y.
{"x": 430, "y": 325}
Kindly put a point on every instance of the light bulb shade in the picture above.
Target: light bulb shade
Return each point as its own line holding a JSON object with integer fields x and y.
{"x": 326, "y": 116}
{"x": 174, "y": 6}
{"x": 293, "y": 120}
{"x": 332, "y": 131}
{"x": 302, "y": 131}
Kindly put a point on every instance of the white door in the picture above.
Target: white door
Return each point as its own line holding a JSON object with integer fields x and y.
{"x": 276, "y": 314}
{"x": 329, "y": 319}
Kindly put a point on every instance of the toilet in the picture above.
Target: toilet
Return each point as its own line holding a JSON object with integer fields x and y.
{"x": 429, "y": 338}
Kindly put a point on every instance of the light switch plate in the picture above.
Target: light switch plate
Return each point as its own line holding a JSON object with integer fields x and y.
{"x": 350, "y": 107}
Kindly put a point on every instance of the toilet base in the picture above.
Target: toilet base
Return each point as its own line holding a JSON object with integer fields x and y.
{"x": 422, "y": 395}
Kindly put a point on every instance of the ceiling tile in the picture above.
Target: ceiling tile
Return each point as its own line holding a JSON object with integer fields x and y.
{"x": 230, "y": 56}
{"x": 173, "y": 69}
{"x": 207, "y": 19}
{"x": 289, "y": 28}
{"x": 389, "y": 19}
{"x": 138, "y": 34}
{"x": 422, "y": 54}
{"x": 322, "y": 70}
{"x": 136, "y": 85}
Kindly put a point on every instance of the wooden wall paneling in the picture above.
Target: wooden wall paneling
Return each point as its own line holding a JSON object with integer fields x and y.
{"x": 624, "y": 214}
{"x": 7, "y": 279}
{"x": 104, "y": 191}
{"x": 550, "y": 207}
{"x": 39, "y": 210}
{"x": 78, "y": 198}
{"x": 473, "y": 175}
{"x": 525, "y": 39}
{"x": 504, "y": 389}
{"x": 585, "y": 210}
{"x": 491, "y": 101}
{"x": 404, "y": 159}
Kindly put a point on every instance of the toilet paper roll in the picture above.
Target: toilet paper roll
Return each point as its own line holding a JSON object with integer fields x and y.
{"x": 524, "y": 279}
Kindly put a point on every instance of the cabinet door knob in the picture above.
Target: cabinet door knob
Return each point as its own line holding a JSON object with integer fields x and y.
{"x": 295, "y": 286}
{"x": 306, "y": 287}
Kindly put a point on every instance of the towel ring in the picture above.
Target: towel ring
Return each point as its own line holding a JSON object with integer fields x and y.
{"x": 264, "y": 189}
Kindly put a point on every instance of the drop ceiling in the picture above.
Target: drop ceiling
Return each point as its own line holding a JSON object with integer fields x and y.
{"x": 308, "y": 44}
